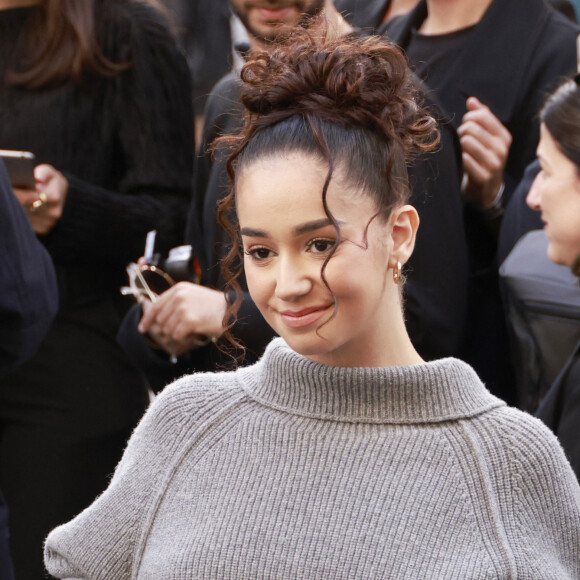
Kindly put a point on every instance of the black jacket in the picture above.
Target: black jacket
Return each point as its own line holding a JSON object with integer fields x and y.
{"x": 28, "y": 304}
{"x": 28, "y": 294}
{"x": 560, "y": 409}
{"x": 364, "y": 14}
{"x": 516, "y": 55}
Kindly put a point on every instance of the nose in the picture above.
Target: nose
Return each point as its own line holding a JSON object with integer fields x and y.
{"x": 294, "y": 279}
{"x": 534, "y": 197}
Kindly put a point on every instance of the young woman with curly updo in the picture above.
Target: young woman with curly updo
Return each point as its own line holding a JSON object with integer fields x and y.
{"x": 340, "y": 454}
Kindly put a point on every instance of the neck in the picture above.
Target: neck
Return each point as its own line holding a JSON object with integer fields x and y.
{"x": 397, "y": 7}
{"x": 4, "y": 4}
{"x": 336, "y": 25}
{"x": 446, "y": 16}
{"x": 388, "y": 345}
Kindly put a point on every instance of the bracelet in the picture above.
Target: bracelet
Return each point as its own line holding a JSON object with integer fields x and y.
{"x": 498, "y": 200}
{"x": 496, "y": 209}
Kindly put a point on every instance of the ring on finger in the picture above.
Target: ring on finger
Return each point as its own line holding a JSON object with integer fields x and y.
{"x": 39, "y": 203}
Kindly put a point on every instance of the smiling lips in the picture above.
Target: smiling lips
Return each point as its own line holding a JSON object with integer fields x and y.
{"x": 304, "y": 317}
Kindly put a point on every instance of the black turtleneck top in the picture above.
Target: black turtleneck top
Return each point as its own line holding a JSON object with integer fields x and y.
{"x": 125, "y": 144}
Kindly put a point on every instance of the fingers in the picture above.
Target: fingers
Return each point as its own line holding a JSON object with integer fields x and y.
{"x": 172, "y": 347}
{"x": 26, "y": 197}
{"x": 45, "y": 203}
{"x": 481, "y": 161}
{"x": 148, "y": 318}
{"x": 44, "y": 172}
{"x": 485, "y": 145}
{"x": 169, "y": 307}
{"x": 182, "y": 310}
{"x": 481, "y": 122}
{"x": 184, "y": 314}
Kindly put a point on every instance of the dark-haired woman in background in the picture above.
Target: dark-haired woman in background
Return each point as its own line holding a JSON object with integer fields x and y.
{"x": 556, "y": 193}
{"x": 98, "y": 91}
{"x": 341, "y": 453}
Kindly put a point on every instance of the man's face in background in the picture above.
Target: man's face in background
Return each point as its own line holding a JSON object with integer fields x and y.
{"x": 272, "y": 20}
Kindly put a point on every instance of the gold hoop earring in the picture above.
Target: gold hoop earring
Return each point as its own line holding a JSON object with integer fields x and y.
{"x": 397, "y": 273}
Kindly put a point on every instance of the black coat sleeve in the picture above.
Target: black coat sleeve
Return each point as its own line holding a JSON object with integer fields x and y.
{"x": 28, "y": 293}
{"x": 560, "y": 409}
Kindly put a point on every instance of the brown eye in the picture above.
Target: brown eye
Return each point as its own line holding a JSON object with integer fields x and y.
{"x": 321, "y": 246}
{"x": 258, "y": 254}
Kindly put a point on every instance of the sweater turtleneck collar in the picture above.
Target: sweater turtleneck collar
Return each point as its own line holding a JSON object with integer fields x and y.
{"x": 442, "y": 390}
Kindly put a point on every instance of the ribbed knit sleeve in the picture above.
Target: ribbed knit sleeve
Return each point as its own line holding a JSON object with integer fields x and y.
{"x": 105, "y": 540}
{"x": 546, "y": 500}
{"x": 534, "y": 490}
{"x": 148, "y": 110}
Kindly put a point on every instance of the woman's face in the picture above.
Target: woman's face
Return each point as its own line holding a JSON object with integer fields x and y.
{"x": 287, "y": 236}
{"x": 556, "y": 193}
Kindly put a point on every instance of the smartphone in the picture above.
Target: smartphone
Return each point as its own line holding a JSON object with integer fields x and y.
{"x": 20, "y": 167}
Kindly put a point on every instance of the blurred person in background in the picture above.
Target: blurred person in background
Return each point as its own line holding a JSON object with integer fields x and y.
{"x": 371, "y": 14}
{"x": 99, "y": 92}
{"x": 555, "y": 193}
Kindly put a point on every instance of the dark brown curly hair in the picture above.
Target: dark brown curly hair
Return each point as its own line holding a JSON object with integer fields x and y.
{"x": 350, "y": 102}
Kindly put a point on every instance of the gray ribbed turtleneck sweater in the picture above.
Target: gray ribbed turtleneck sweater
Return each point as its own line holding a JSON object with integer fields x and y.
{"x": 292, "y": 469}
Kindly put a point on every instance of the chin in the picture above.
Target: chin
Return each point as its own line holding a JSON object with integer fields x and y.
{"x": 272, "y": 32}
{"x": 309, "y": 346}
{"x": 556, "y": 256}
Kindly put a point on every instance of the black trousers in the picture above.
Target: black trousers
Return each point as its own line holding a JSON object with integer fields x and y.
{"x": 65, "y": 418}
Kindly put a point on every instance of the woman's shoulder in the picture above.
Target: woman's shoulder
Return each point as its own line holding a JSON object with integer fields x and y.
{"x": 193, "y": 396}
{"x": 523, "y": 445}
{"x": 511, "y": 425}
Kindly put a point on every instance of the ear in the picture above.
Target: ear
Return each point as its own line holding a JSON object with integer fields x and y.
{"x": 404, "y": 223}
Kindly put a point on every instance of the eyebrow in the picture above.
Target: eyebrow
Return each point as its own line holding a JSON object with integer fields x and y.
{"x": 298, "y": 230}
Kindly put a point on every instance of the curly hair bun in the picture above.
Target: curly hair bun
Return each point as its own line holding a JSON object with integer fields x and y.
{"x": 352, "y": 81}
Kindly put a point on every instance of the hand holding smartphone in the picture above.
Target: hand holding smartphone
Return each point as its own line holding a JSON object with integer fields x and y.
{"x": 20, "y": 167}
